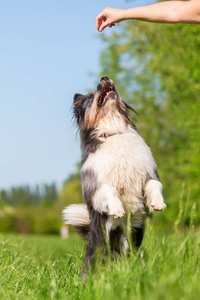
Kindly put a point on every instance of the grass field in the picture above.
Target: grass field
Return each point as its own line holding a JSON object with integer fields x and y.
{"x": 47, "y": 267}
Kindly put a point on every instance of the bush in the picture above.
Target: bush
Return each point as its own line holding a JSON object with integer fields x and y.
{"x": 32, "y": 219}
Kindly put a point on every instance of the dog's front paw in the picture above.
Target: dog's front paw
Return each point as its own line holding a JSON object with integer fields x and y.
{"x": 157, "y": 205}
{"x": 116, "y": 209}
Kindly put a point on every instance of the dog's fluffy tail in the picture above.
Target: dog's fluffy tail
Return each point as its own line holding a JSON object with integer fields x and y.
{"x": 78, "y": 216}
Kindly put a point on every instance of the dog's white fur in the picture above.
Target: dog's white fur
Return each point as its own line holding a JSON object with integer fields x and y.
{"x": 76, "y": 214}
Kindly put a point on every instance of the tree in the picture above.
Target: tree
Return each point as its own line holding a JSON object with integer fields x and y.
{"x": 71, "y": 191}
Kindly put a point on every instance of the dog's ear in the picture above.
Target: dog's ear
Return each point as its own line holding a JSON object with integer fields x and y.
{"x": 78, "y": 97}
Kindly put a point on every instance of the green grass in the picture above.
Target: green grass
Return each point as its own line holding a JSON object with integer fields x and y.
{"x": 47, "y": 267}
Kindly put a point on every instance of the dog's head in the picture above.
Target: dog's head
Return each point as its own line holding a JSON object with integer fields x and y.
{"x": 104, "y": 102}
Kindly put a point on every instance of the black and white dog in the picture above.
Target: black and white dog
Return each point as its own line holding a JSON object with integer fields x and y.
{"x": 118, "y": 173}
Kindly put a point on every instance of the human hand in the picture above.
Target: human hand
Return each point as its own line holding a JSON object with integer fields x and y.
{"x": 108, "y": 17}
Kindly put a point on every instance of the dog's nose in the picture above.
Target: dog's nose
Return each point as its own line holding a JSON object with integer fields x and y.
{"x": 104, "y": 78}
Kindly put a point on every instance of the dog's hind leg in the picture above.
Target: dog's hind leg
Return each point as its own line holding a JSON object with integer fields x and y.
{"x": 96, "y": 237}
{"x": 89, "y": 256}
{"x": 115, "y": 239}
{"x": 137, "y": 236}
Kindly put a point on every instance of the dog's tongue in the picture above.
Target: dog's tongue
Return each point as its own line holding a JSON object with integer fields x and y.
{"x": 105, "y": 98}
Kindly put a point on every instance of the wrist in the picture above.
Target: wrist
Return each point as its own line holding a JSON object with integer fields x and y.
{"x": 124, "y": 14}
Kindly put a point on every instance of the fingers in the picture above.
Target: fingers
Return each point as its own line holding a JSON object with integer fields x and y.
{"x": 103, "y": 20}
{"x": 104, "y": 25}
{"x": 100, "y": 19}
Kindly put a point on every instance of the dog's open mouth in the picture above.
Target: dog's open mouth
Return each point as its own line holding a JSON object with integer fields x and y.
{"x": 108, "y": 89}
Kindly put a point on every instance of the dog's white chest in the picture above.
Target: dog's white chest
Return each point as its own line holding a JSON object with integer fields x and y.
{"x": 123, "y": 162}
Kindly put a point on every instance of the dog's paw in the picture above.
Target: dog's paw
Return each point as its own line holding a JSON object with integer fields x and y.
{"x": 157, "y": 205}
{"x": 116, "y": 209}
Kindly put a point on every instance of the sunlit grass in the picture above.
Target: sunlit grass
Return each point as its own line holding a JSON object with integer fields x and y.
{"x": 45, "y": 267}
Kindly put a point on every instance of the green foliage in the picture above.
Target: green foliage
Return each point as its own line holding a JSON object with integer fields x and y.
{"x": 156, "y": 68}
{"x": 31, "y": 210}
{"x": 34, "y": 219}
{"x": 7, "y": 223}
{"x": 71, "y": 191}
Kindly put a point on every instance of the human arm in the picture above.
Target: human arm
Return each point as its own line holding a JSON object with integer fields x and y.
{"x": 162, "y": 12}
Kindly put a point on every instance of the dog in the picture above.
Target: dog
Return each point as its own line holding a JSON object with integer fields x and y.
{"x": 118, "y": 175}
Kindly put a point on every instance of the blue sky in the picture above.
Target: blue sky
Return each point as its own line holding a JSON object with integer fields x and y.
{"x": 48, "y": 51}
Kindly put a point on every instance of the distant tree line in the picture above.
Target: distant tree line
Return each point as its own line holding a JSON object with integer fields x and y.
{"x": 46, "y": 194}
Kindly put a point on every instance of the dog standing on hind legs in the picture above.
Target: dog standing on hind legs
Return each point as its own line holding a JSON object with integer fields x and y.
{"x": 118, "y": 173}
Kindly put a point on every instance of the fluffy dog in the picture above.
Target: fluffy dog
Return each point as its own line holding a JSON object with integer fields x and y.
{"x": 118, "y": 173}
